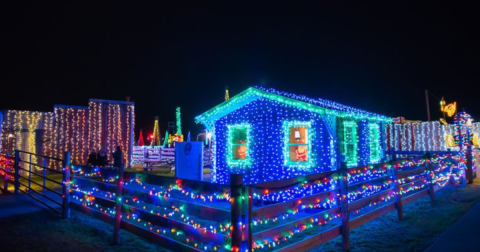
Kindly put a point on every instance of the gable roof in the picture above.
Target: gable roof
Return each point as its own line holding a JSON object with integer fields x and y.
{"x": 320, "y": 106}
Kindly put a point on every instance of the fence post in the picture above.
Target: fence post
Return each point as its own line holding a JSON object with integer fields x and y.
{"x": 29, "y": 171}
{"x": 66, "y": 186}
{"x": 236, "y": 182}
{"x": 344, "y": 206}
{"x": 44, "y": 174}
{"x": 469, "y": 165}
{"x": 430, "y": 174}
{"x": 396, "y": 187}
{"x": 118, "y": 206}
{"x": 247, "y": 219}
{"x": 17, "y": 170}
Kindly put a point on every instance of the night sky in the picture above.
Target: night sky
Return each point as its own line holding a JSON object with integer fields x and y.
{"x": 376, "y": 57}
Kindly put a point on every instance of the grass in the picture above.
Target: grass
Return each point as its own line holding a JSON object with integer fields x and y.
{"x": 42, "y": 231}
{"x": 423, "y": 222}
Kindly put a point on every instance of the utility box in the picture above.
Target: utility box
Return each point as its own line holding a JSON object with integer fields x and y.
{"x": 189, "y": 160}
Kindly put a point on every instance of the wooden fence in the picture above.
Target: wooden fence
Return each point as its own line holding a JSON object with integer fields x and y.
{"x": 294, "y": 214}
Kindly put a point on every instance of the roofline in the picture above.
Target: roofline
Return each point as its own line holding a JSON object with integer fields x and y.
{"x": 112, "y": 101}
{"x": 69, "y": 106}
{"x": 220, "y": 111}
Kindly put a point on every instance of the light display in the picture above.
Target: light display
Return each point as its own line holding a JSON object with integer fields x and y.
{"x": 70, "y": 133}
{"x": 279, "y": 122}
{"x": 375, "y": 146}
{"x": 420, "y": 136}
{"x": 463, "y": 123}
{"x": 165, "y": 141}
{"x": 350, "y": 143}
{"x": 450, "y": 109}
{"x": 227, "y": 95}
{"x": 112, "y": 126}
{"x": 25, "y": 130}
{"x": 312, "y": 215}
{"x": 297, "y": 141}
{"x": 239, "y": 138}
{"x": 156, "y": 133}
{"x": 140, "y": 139}
{"x": 179, "y": 121}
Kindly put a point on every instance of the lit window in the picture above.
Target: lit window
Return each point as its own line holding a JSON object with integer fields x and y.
{"x": 350, "y": 142}
{"x": 375, "y": 148}
{"x": 238, "y": 143}
{"x": 298, "y": 144}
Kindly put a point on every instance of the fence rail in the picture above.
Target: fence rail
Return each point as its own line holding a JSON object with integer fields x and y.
{"x": 19, "y": 173}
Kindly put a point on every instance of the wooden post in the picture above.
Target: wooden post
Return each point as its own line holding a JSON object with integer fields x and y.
{"x": 469, "y": 170}
{"x": 44, "y": 174}
{"x": 17, "y": 170}
{"x": 66, "y": 186}
{"x": 118, "y": 206}
{"x": 396, "y": 187}
{"x": 430, "y": 174}
{"x": 247, "y": 219}
{"x": 236, "y": 182}
{"x": 344, "y": 206}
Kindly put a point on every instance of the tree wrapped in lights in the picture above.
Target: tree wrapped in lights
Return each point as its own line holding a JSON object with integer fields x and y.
{"x": 179, "y": 122}
{"x": 156, "y": 133}
{"x": 140, "y": 139}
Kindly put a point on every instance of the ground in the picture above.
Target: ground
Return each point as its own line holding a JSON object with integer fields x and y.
{"x": 424, "y": 221}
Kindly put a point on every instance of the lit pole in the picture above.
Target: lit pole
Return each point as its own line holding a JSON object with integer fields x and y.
{"x": 428, "y": 105}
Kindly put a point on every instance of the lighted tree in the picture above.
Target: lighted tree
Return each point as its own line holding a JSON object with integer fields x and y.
{"x": 165, "y": 142}
{"x": 227, "y": 95}
{"x": 179, "y": 122}
{"x": 140, "y": 139}
{"x": 156, "y": 133}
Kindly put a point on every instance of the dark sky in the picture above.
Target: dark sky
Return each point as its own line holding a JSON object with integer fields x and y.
{"x": 376, "y": 57}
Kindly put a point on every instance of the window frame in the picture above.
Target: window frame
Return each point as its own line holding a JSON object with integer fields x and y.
{"x": 354, "y": 127}
{"x": 238, "y": 162}
{"x": 287, "y": 125}
{"x": 374, "y": 140}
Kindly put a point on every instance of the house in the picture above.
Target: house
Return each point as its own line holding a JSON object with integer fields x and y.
{"x": 271, "y": 135}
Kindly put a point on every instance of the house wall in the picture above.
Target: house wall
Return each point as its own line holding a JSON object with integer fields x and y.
{"x": 267, "y": 144}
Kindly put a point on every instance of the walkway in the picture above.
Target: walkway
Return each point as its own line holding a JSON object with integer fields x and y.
{"x": 12, "y": 204}
{"x": 463, "y": 235}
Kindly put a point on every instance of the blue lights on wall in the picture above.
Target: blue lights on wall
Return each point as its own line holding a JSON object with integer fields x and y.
{"x": 270, "y": 135}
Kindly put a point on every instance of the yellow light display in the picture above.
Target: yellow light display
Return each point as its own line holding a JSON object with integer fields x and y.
{"x": 443, "y": 122}
{"x": 450, "y": 109}
{"x": 450, "y": 141}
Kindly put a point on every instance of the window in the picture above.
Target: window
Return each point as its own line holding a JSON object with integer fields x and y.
{"x": 238, "y": 145}
{"x": 375, "y": 148}
{"x": 298, "y": 144}
{"x": 350, "y": 142}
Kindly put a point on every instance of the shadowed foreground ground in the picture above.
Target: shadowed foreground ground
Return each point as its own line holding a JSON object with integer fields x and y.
{"x": 43, "y": 231}
{"x": 423, "y": 223}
